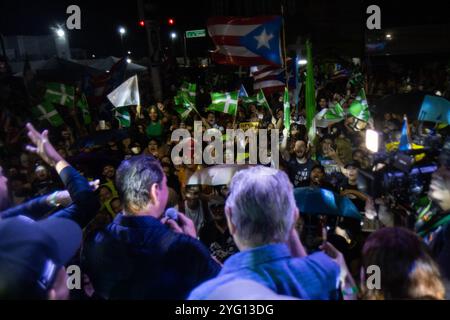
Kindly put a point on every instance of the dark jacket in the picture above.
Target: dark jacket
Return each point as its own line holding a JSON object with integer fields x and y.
{"x": 83, "y": 208}
{"x": 140, "y": 258}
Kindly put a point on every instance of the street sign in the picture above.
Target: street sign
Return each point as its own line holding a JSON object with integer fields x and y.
{"x": 196, "y": 33}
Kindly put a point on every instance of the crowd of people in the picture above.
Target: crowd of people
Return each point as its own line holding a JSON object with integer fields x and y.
{"x": 97, "y": 198}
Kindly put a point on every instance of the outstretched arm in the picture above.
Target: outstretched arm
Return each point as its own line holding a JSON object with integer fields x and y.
{"x": 85, "y": 204}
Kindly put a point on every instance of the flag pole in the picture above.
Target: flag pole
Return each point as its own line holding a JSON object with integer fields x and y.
{"x": 234, "y": 119}
{"x": 284, "y": 47}
{"x": 196, "y": 111}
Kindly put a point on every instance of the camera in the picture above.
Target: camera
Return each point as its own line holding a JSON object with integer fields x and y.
{"x": 401, "y": 176}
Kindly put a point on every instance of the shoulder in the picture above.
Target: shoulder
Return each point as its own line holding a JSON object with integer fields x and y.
{"x": 203, "y": 291}
{"x": 184, "y": 245}
{"x": 321, "y": 266}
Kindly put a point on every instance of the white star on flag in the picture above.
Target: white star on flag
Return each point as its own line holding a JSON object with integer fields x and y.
{"x": 263, "y": 39}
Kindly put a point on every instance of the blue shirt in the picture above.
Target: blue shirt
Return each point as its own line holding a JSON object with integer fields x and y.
{"x": 314, "y": 277}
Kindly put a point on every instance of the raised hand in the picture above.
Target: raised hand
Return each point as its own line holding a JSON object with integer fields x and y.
{"x": 42, "y": 146}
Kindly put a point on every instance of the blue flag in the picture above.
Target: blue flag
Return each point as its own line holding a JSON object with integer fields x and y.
{"x": 435, "y": 109}
{"x": 242, "y": 92}
{"x": 405, "y": 141}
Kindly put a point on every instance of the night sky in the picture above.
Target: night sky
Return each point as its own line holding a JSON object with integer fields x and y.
{"x": 100, "y": 19}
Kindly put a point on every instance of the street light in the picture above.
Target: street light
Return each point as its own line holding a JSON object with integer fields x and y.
{"x": 122, "y": 32}
{"x": 60, "y": 33}
{"x": 302, "y": 62}
{"x": 389, "y": 36}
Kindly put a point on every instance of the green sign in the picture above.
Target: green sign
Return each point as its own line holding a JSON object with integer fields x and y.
{"x": 196, "y": 33}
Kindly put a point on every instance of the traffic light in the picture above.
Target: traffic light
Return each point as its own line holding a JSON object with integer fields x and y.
{"x": 171, "y": 21}
{"x": 142, "y": 23}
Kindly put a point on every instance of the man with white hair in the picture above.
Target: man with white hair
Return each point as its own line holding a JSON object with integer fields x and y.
{"x": 261, "y": 214}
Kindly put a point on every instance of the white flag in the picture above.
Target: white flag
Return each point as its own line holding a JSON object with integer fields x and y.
{"x": 127, "y": 94}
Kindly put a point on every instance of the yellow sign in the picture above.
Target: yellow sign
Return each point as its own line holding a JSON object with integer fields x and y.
{"x": 248, "y": 125}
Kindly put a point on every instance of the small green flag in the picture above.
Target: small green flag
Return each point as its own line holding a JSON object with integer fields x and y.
{"x": 224, "y": 102}
{"x": 287, "y": 110}
{"x": 249, "y": 100}
{"x": 183, "y": 105}
{"x": 356, "y": 80}
{"x": 261, "y": 99}
{"x": 362, "y": 97}
{"x": 123, "y": 116}
{"x": 60, "y": 94}
{"x": 84, "y": 106}
{"x": 359, "y": 111}
{"x": 360, "y": 108}
{"x": 191, "y": 90}
{"x": 46, "y": 111}
{"x": 334, "y": 113}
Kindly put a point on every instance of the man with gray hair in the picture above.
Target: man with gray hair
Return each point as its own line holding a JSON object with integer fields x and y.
{"x": 261, "y": 215}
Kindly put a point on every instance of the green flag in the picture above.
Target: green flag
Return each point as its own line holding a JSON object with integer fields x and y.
{"x": 184, "y": 111}
{"x": 334, "y": 113}
{"x": 360, "y": 108}
{"x": 287, "y": 110}
{"x": 83, "y": 105}
{"x": 123, "y": 116}
{"x": 261, "y": 99}
{"x": 356, "y": 80}
{"x": 249, "y": 100}
{"x": 310, "y": 92}
{"x": 46, "y": 111}
{"x": 224, "y": 102}
{"x": 362, "y": 97}
{"x": 182, "y": 104}
{"x": 191, "y": 90}
{"x": 60, "y": 94}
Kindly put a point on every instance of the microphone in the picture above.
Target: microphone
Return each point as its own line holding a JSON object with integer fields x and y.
{"x": 171, "y": 213}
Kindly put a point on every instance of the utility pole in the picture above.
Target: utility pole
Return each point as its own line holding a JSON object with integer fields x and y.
{"x": 3, "y": 46}
{"x": 185, "y": 49}
{"x": 5, "y": 57}
{"x": 152, "y": 30}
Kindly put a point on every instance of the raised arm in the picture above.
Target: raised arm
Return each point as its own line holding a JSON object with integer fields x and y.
{"x": 85, "y": 203}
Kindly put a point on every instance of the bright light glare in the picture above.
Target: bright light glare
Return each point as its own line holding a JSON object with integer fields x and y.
{"x": 128, "y": 60}
{"x": 372, "y": 140}
{"x": 302, "y": 62}
{"x": 173, "y": 35}
{"x": 60, "y": 33}
{"x": 122, "y": 30}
